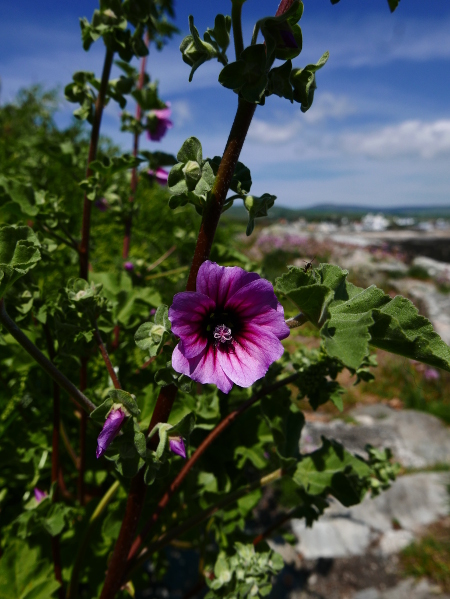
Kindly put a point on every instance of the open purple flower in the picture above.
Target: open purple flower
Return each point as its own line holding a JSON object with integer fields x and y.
{"x": 39, "y": 495}
{"x": 159, "y": 122}
{"x": 229, "y": 329}
{"x": 176, "y": 444}
{"x": 110, "y": 430}
{"x": 160, "y": 175}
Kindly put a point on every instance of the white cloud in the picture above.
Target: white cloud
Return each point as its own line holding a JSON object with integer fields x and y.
{"x": 410, "y": 138}
{"x": 329, "y": 106}
{"x": 268, "y": 133}
{"x": 182, "y": 112}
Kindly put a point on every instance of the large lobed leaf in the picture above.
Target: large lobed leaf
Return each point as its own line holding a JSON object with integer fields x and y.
{"x": 351, "y": 318}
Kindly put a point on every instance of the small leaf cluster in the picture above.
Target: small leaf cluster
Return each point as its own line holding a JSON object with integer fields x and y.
{"x": 252, "y": 76}
{"x": 246, "y": 573}
{"x": 19, "y": 252}
{"x": 196, "y": 51}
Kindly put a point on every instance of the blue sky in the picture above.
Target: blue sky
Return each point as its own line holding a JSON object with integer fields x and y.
{"x": 378, "y": 133}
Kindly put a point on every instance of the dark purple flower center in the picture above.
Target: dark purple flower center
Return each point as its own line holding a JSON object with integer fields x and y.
{"x": 222, "y": 334}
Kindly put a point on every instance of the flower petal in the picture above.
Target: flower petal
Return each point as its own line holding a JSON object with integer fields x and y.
{"x": 222, "y": 282}
{"x": 251, "y": 355}
{"x": 204, "y": 368}
{"x": 110, "y": 429}
{"x": 176, "y": 445}
{"x": 271, "y": 321}
{"x": 253, "y": 299}
{"x": 188, "y": 315}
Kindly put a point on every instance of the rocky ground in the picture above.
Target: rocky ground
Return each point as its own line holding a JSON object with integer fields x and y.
{"x": 352, "y": 553}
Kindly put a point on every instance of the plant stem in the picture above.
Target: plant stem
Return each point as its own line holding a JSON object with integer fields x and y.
{"x": 275, "y": 525}
{"x": 161, "y": 258}
{"x": 43, "y": 362}
{"x": 83, "y": 427}
{"x": 236, "y": 19}
{"x": 159, "y": 275}
{"x": 72, "y": 591}
{"x": 106, "y": 359}
{"x": 133, "y": 511}
{"x": 201, "y": 517}
{"x": 56, "y": 552}
{"x": 67, "y": 445}
{"x": 134, "y": 177}
{"x": 218, "y": 430}
{"x": 213, "y": 208}
{"x": 95, "y": 134}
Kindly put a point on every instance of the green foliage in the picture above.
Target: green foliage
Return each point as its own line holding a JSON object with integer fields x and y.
{"x": 257, "y": 207}
{"x": 304, "y": 82}
{"x": 243, "y": 574}
{"x": 275, "y": 29}
{"x": 350, "y": 318}
{"x": 247, "y": 76}
{"x": 34, "y": 579}
{"x": 19, "y": 253}
{"x": 151, "y": 336}
{"x": 196, "y": 51}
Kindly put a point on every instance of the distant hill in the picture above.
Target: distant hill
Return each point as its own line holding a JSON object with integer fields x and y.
{"x": 335, "y": 212}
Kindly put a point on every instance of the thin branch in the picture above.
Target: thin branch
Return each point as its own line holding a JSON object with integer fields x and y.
{"x": 72, "y": 591}
{"x": 218, "y": 430}
{"x": 83, "y": 428}
{"x": 70, "y": 243}
{"x": 68, "y": 445}
{"x": 201, "y": 517}
{"x": 106, "y": 359}
{"x": 236, "y": 19}
{"x": 43, "y": 362}
{"x": 134, "y": 177}
{"x": 276, "y": 525}
{"x": 162, "y": 258}
{"x": 166, "y": 273}
{"x": 95, "y": 134}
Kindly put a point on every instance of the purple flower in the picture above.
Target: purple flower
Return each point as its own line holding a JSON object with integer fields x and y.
{"x": 39, "y": 495}
{"x": 176, "y": 445}
{"x": 101, "y": 204}
{"x": 158, "y": 122}
{"x": 431, "y": 374}
{"x": 129, "y": 266}
{"x": 160, "y": 175}
{"x": 110, "y": 430}
{"x": 229, "y": 329}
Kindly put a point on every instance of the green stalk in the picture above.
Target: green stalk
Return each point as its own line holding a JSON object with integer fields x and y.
{"x": 72, "y": 591}
{"x": 236, "y": 20}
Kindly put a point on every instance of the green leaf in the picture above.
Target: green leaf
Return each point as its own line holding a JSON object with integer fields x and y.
{"x": 350, "y": 318}
{"x": 196, "y": 51}
{"x": 273, "y": 29}
{"x": 304, "y": 82}
{"x": 242, "y": 180}
{"x": 24, "y": 574}
{"x": 190, "y": 150}
{"x": 332, "y": 469}
{"x": 257, "y": 207}
{"x": 19, "y": 253}
{"x": 280, "y": 83}
{"x": 151, "y": 336}
{"x": 247, "y": 76}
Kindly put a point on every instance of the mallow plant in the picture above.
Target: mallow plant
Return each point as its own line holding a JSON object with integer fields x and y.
{"x": 147, "y": 395}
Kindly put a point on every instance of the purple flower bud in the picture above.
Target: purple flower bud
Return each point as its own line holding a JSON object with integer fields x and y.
{"x": 161, "y": 176}
{"x": 39, "y": 495}
{"x": 129, "y": 266}
{"x": 288, "y": 38}
{"x": 176, "y": 445}
{"x": 101, "y": 204}
{"x": 110, "y": 430}
{"x": 159, "y": 123}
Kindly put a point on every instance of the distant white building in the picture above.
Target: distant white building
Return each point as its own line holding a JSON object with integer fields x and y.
{"x": 374, "y": 222}
{"x": 404, "y": 221}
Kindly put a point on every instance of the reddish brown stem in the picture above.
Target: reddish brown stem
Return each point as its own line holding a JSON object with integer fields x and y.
{"x": 95, "y": 134}
{"x": 134, "y": 177}
{"x": 56, "y": 552}
{"x": 275, "y": 525}
{"x": 213, "y": 209}
{"x": 83, "y": 427}
{"x": 218, "y": 430}
{"x": 106, "y": 359}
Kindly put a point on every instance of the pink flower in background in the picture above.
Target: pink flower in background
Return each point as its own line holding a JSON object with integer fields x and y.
{"x": 129, "y": 266}
{"x": 229, "y": 329}
{"x": 431, "y": 374}
{"x": 176, "y": 445}
{"x": 39, "y": 495}
{"x": 160, "y": 175}
{"x": 159, "y": 122}
{"x": 110, "y": 430}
